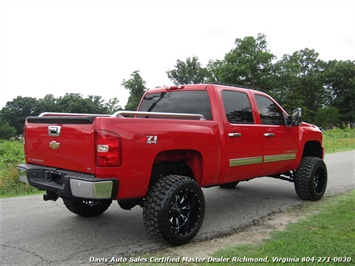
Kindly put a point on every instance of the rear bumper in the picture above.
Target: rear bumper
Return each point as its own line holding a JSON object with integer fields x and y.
{"x": 68, "y": 184}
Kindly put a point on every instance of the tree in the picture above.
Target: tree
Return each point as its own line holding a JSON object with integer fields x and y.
{"x": 113, "y": 105}
{"x": 75, "y": 103}
{"x": 136, "y": 87}
{"x": 188, "y": 72}
{"x": 16, "y": 111}
{"x": 6, "y": 131}
{"x": 48, "y": 104}
{"x": 327, "y": 117}
{"x": 248, "y": 64}
{"x": 340, "y": 83}
{"x": 299, "y": 82}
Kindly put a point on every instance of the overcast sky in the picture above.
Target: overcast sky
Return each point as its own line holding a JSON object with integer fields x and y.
{"x": 90, "y": 46}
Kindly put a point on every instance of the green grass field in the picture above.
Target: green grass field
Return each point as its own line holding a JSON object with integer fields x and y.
{"x": 11, "y": 154}
{"x": 327, "y": 237}
{"x": 338, "y": 140}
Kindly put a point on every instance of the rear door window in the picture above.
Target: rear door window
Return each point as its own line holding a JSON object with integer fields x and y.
{"x": 237, "y": 107}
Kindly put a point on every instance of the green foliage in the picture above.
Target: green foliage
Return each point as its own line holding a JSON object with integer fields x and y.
{"x": 298, "y": 82}
{"x": 6, "y": 131}
{"x": 112, "y": 105}
{"x": 136, "y": 87}
{"x": 13, "y": 115}
{"x": 337, "y": 140}
{"x": 16, "y": 111}
{"x": 340, "y": 82}
{"x": 188, "y": 72}
{"x": 248, "y": 64}
{"x": 327, "y": 117}
{"x": 11, "y": 154}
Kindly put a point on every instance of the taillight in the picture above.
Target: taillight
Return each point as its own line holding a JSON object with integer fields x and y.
{"x": 108, "y": 148}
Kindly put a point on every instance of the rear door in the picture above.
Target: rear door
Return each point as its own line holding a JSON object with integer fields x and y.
{"x": 242, "y": 137}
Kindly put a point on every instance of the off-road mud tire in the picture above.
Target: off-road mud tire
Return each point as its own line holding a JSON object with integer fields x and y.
{"x": 311, "y": 179}
{"x": 174, "y": 209}
{"x": 87, "y": 208}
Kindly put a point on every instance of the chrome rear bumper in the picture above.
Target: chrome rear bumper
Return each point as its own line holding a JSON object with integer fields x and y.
{"x": 68, "y": 184}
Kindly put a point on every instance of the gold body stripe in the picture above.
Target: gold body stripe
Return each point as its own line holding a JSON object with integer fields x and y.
{"x": 279, "y": 157}
{"x": 245, "y": 161}
{"x": 259, "y": 159}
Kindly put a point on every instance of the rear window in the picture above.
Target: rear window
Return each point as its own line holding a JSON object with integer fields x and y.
{"x": 189, "y": 102}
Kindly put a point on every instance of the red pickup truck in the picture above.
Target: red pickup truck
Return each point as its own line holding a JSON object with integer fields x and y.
{"x": 181, "y": 138}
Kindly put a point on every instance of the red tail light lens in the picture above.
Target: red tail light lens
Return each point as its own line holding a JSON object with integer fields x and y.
{"x": 108, "y": 148}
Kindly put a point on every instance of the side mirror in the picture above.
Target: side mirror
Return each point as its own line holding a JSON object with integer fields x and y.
{"x": 296, "y": 117}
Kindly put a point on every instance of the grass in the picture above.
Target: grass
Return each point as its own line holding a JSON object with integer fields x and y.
{"x": 338, "y": 140}
{"x": 11, "y": 154}
{"x": 327, "y": 237}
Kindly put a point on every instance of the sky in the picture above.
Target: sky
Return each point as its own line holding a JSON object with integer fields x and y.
{"x": 90, "y": 46}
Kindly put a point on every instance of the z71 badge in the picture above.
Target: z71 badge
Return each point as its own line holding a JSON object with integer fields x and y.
{"x": 144, "y": 139}
{"x": 152, "y": 139}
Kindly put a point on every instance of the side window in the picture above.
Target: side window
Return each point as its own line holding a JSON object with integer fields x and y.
{"x": 237, "y": 107}
{"x": 270, "y": 113}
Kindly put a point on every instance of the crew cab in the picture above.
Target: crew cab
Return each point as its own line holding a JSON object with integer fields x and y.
{"x": 182, "y": 138}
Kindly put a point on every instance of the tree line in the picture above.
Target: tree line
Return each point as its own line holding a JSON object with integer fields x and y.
{"x": 324, "y": 90}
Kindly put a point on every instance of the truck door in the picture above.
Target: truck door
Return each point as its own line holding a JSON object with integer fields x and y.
{"x": 280, "y": 143}
{"x": 243, "y": 137}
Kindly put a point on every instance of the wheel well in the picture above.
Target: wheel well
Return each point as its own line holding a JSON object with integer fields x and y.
{"x": 178, "y": 162}
{"x": 313, "y": 149}
{"x": 164, "y": 169}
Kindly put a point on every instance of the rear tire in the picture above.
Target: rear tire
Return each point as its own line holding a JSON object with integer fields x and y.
{"x": 311, "y": 178}
{"x": 87, "y": 208}
{"x": 174, "y": 209}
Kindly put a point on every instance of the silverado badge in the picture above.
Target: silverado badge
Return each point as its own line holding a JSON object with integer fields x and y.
{"x": 54, "y": 145}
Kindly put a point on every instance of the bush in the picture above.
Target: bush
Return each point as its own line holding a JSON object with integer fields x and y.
{"x": 11, "y": 154}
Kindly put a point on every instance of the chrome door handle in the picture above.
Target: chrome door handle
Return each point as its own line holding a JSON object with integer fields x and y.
{"x": 269, "y": 135}
{"x": 234, "y": 135}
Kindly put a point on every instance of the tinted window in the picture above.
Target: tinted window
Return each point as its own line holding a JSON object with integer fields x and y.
{"x": 270, "y": 113}
{"x": 237, "y": 107}
{"x": 192, "y": 102}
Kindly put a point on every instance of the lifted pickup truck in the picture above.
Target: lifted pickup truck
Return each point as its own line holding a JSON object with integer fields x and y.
{"x": 181, "y": 138}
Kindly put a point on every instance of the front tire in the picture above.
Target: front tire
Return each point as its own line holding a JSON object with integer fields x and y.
{"x": 311, "y": 179}
{"x": 174, "y": 209}
{"x": 87, "y": 208}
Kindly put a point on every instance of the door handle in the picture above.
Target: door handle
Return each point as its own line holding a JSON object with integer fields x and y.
{"x": 269, "y": 135}
{"x": 234, "y": 135}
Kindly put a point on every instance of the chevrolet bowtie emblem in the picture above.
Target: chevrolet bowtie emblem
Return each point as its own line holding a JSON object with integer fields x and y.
{"x": 54, "y": 145}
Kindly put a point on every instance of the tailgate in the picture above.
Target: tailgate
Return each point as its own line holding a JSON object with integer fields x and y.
{"x": 61, "y": 142}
